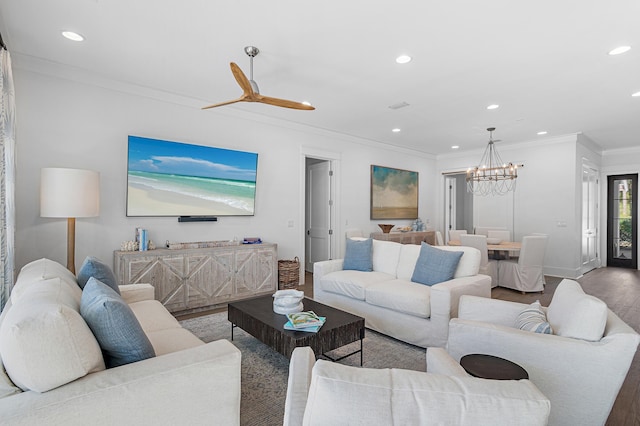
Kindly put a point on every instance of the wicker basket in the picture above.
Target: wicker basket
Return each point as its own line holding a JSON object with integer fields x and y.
{"x": 288, "y": 273}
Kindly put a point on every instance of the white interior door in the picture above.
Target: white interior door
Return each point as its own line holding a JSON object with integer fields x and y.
{"x": 590, "y": 191}
{"x": 318, "y": 214}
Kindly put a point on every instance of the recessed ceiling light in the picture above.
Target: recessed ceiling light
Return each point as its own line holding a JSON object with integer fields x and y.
{"x": 542, "y": 132}
{"x": 455, "y": 147}
{"x": 493, "y": 106}
{"x": 619, "y": 50}
{"x": 403, "y": 59}
{"x": 72, "y": 36}
{"x": 636, "y": 94}
{"x": 396, "y": 130}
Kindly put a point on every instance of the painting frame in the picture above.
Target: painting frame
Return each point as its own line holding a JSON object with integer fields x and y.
{"x": 394, "y": 193}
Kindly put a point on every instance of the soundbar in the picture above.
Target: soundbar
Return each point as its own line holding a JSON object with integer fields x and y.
{"x": 197, "y": 219}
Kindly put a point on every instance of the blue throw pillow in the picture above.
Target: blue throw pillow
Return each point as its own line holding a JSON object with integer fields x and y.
{"x": 435, "y": 266}
{"x": 358, "y": 255}
{"x": 114, "y": 325}
{"x": 94, "y": 267}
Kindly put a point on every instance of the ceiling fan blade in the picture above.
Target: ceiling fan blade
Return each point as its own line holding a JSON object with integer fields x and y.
{"x": 242, "y": 79}
{"x": 224, "y": 103}
{"x": 282, "y": 103}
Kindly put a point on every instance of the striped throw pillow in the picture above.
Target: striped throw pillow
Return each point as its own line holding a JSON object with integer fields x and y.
{"x": 534, "y": 319}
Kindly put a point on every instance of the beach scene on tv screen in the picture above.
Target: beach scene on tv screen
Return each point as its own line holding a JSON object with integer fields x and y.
{"x": 167, "y": 178}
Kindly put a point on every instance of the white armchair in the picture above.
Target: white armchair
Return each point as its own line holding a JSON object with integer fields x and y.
{"x": 580, "y": 377}
{"x": 326, "y": 393}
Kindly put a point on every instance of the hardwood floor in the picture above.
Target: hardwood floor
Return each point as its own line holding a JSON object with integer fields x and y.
{"x": 619, "y": 288}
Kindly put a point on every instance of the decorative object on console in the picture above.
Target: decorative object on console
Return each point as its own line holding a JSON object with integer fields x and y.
{"x": 69, "y": 193}
{"x": 129, "y": 246}
{"x": 191, "y": 181}
{"x": 251, "y": 93}
{"x": 200, "y": 244}
{"x": 252, "y": 240}
{"x": 287, "y": 301}
{"x": 394, "y": 193}
{"x": 492, "y": 176}
{"x": 386, "y": 227}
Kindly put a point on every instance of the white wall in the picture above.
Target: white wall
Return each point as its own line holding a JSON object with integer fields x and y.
{"x": 79, "y": 121}
{"x": 545, "y": 199}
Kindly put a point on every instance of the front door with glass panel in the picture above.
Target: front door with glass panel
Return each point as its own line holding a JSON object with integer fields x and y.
{"x": 622, "y": 209}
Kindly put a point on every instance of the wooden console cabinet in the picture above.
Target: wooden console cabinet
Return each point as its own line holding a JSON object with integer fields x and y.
{"x": 411, "y": 237}
{"x": 192, "y": 280}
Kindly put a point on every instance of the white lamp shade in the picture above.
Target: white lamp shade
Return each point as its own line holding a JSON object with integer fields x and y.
{"x": 69, "y": 193}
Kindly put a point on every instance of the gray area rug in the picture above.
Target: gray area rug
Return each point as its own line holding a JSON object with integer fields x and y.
{"x": 265, "y": 372}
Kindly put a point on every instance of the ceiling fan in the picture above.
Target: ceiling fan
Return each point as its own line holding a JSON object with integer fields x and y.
{"x": 251, "y": 91}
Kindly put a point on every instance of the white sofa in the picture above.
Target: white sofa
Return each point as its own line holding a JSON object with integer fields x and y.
{"x": 390, "y": 302}
{"x": 580, "y": 367}
{"x": 326, "y": 393}
{"x": 187, "y": 382}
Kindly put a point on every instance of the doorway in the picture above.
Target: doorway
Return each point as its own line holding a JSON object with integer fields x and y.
{"x": 590, "y": 232}
{"x": 318, "y": 211}
{"x": 458, "y": 204}
{"x": 622, "y": 219}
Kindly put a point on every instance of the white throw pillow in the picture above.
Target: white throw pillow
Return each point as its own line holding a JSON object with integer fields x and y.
{"x": 45, "y": 345}
{"x": 572, "y": 313}
{"x": 43, "y": 269}
{"x": 52, "y": 290}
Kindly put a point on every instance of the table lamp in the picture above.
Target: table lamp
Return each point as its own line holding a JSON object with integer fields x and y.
{"x": 69, "y": 193}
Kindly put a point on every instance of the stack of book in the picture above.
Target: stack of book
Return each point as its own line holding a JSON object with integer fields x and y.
{"x": 304, "y": 321}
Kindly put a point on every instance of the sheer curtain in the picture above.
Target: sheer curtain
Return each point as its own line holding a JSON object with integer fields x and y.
{"x": 7, "y": 175}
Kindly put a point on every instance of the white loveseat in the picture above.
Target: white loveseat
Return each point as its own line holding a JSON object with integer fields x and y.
{"x": 326, "y": 393}
{"x": 49, "y": 345}
{"x": 580, "y": 367}
{"x": 390, "y": 302}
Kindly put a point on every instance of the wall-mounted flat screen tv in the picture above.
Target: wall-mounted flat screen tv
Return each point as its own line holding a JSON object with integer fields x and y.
{"x": 177, "y": 179}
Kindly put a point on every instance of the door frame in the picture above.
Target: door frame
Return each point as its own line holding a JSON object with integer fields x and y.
{"x": 597, "y": 261}
{"x": 616, "y": 262}
{"x": 334, "y": 191}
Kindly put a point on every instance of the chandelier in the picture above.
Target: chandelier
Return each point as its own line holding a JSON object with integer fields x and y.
{"x": 492, "y": 176}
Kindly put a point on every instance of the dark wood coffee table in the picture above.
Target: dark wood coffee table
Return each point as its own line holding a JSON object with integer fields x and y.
{"x": 492, "y": 367}
{"x": 256, "y": 317}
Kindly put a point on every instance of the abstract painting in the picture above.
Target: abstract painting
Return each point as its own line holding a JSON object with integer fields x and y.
{"x": 394, "y": 193}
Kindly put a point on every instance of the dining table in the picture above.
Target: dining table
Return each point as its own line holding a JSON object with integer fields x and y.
{"x": 504, "y": 248}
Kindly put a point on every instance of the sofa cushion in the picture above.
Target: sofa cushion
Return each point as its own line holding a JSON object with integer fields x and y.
{"x": 340, "y": 394}
{"x": 94, "y": 267}
{"x": 434, "y": 265}
{"x": 358, "y": 255}
{"x": 385, "y": 256}
{"x": 352, "y": 283}
{"x": 47, "y": 344}
{"x": 401, "y": 296}
{"x": 407, "y": 261}
{"x": 469, "y": 264}
{"x": 119, "y": 333}
{"x": 533, "y": 318}
{"x": 572, "y": 313}
{"x": 44, "y": 269}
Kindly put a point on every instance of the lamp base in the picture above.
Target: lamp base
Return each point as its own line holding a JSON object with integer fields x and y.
{"x": 71, "y": 244}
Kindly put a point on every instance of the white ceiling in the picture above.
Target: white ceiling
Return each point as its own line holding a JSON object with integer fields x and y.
{"x": 544, "y": 62}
